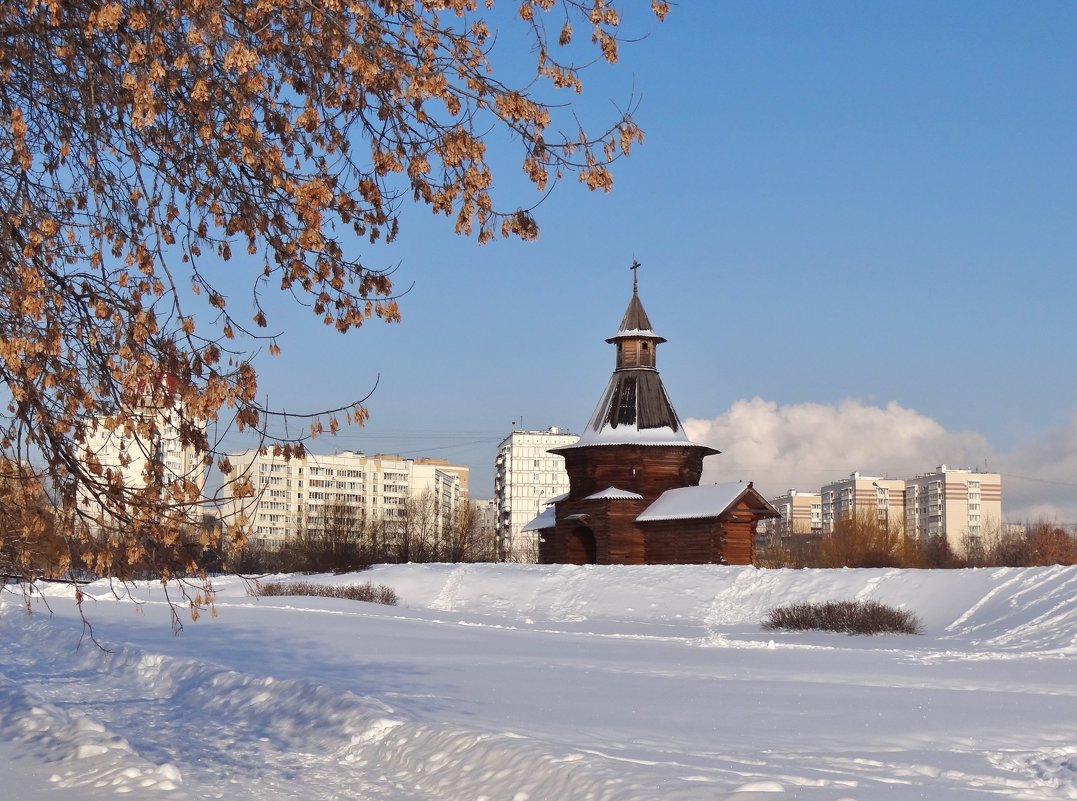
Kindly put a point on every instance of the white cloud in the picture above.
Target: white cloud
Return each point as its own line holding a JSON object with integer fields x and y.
{"x": 806, "y": 445}
{"x": 1042, "y": 476}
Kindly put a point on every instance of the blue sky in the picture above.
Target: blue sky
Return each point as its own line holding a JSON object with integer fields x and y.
{"x": 838, "y": 203}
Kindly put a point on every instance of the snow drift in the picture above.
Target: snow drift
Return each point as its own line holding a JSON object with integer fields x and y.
{"x": 550, "y": 682}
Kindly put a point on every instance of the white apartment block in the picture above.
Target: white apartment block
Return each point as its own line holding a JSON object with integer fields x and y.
{"x": 485, "y": 512}
{"x": 295, "y": 493}
{"x": 801, "y": 513}
{"x": 857, "y": 494}
{"x": 959, "y": 504}
{"x": 526, "y": 477}
{"x": 130, "y": 454}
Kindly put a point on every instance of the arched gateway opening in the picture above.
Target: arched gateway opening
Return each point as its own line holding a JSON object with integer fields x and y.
{"x": 580, "y": 546}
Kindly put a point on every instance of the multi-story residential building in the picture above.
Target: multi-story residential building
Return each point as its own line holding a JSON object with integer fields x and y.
{"x": 128, "y": 452}
{"x": 849, "y": 497}
{"x": 485, "y": 512}
{"x": 464, "y": 473}
{"x": 305, "y": 493}
{"x": 801, "y": 513}
{"x": 526, "y": 478}
{"x": 956, "y": 503}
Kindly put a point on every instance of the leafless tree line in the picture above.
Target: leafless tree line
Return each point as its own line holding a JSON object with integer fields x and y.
{"x": 340, "y": 537}
{"x": 865, "y": 541}
{"x": 334, "y": 538}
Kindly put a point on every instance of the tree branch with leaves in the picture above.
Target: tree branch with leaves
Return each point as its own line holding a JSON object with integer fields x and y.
{"x": 146, "y": 148}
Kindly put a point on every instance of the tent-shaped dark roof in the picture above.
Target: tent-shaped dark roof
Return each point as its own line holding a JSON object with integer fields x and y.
{"x": 635, "y": 408}
{"x": 635, "y": 400}
{"x": 635, "y": 323}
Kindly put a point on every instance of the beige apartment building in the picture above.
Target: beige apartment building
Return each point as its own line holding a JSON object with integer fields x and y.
{"x": 526, "y": 478}
{"x": 801, "y": 513}
{"x": 857, "y": 494}
{"x": 295, "y": 493}
{"x": 128, "y": 454}
{"x": 960, "y": 504}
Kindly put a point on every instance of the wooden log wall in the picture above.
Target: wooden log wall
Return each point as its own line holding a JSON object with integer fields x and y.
{"x": 625, "y": 539}
{"x": 648, "y": 470}
{"x": 739, "y": 545}
{"x": 618, "y": 541}
{"x": 547, "y": 547}
{"x": 682, "y": 542}
{"x": 621, "y": 541}
{"x": 739, "y": 526}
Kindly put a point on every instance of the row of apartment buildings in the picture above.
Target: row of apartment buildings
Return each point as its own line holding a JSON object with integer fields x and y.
{"x": 304, "y": 494}
{"x": 960, "y": 504}
{"x": 289, "y": 495}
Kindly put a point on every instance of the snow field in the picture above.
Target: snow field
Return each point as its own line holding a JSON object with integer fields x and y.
{"x": 552, "y": 682}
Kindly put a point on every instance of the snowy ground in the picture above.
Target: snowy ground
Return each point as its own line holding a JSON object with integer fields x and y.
{"x": 527, "y": 683}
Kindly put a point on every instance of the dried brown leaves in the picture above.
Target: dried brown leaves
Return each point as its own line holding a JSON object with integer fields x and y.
{"x": 143, "y": 144}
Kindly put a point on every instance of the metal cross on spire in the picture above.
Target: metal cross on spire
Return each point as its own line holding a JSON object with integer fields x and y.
{"x": 635, "y": 275}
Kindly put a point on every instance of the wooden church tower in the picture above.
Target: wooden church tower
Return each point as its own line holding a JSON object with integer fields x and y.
{"x": 634, "y": 496}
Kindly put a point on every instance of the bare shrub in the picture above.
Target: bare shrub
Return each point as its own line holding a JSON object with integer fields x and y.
{"x": 847, "y": 617}
{"x": 865, "y": 541}
{"x": 862, "y": 541}
{"x": 935, "y": 552}
{"x": 380, "y": 594}
{"x": 334, "y": 538}
{"x": 1032, "y": 544}
{"x": 1050, "y": 545}
{"x": 793, "y": 551}
{"x": 254, "y": 560}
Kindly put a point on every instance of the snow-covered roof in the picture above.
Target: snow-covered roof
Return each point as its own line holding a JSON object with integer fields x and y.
{"x": 636, "y": 333}
{"x": 635, "y": 323}
{"x": 630, "y": 435}
{"x": 684, "y": 503}
{"x": 547, "y": 519}
{"x": 640, "y": 414}
{"x": 614, "y": 494}
{"x": 556, "y": 499}
{"x": 635, "y": 408}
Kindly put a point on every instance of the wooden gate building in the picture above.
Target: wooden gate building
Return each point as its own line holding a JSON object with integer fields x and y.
{"x": 634, "y": 494}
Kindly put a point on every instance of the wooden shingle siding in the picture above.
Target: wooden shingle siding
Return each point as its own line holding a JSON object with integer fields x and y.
{"x": 655, "y": 408}
{"x": 622, "y": 410}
